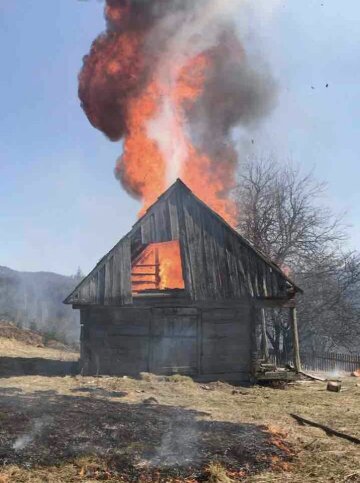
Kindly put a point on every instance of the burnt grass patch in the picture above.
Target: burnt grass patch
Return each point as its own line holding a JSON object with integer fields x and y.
{"x": 136, "y": 441}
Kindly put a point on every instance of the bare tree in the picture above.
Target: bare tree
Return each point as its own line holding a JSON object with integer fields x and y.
{"x": 330, "y": 308}
{"x": 282, "y": 212}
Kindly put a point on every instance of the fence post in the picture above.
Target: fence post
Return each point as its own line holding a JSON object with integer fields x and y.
{"x": 295, "y": 336}
{"x": 264, "y": 339}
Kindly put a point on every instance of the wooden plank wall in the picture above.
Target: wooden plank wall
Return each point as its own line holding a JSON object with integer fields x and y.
{"x": 173, "y": 347}
{"x": 160, "y": 224}
{"x": 226, "y": 341}
{"x": 127, "y": 341}
{"x": 217, "y": 263}
{"x": 110, "y": 282}
{"x": 167, "y": 340}
{"x": 115, "y": 341}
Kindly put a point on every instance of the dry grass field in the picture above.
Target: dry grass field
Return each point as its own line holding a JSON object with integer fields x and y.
{"x": 73, "y": 428}
{"x": 15, "y": 348}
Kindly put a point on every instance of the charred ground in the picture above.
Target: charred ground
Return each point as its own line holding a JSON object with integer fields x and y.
{"x": 170, "y": 429}
{"x": 167, "y": 429}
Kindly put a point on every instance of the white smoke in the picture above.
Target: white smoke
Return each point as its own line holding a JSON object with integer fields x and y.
{"x": 179, "y": 443}
{"x": 190, "y": 32}
{"x": 27, "y": 438}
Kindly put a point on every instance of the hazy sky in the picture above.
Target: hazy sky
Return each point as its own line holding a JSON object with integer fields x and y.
{"x": 60, "y": 206}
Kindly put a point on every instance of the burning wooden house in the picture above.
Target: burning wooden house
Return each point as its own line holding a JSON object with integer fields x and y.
{"x": 182, "y": 292}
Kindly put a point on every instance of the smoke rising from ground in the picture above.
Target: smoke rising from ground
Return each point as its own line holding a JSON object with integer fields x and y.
{"x": 25, "y": 439}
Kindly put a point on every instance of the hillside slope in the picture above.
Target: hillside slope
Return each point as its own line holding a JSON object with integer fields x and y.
{"x": 34, "y": 299}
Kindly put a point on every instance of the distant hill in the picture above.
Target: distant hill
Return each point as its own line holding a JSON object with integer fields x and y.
{"x": 34, "y": 300}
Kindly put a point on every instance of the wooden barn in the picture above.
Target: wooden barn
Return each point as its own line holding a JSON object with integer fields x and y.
{"x": 182, "y": 292}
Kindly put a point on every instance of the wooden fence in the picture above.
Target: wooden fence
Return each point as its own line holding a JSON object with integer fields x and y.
{"x": 326, "y": 361}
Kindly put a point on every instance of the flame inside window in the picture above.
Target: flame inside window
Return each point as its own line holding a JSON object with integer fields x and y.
{"x": 158, "y": 267}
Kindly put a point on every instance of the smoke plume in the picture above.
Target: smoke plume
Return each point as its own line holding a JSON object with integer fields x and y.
{"x": 172, "y": 79}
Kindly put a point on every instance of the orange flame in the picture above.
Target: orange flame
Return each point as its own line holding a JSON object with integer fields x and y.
{"x": 158, "y": 268}
{"x": 123, "y": 93}
{"x": 143, "y": 166}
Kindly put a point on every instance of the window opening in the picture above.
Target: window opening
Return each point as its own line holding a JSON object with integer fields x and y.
{"x": 158, "y": 267}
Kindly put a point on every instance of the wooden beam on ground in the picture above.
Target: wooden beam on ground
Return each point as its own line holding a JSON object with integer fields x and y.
{"x": 311, "y": 376}
{"x": 306, "y": 374}
{"x": 295, "y": 336}
{"x": 327, "y": 429}
{"x": 285, "y": 376}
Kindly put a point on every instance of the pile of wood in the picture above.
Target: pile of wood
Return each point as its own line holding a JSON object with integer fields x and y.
{"x": 270, "y": 372}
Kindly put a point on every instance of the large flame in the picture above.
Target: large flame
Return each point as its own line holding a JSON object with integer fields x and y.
{"x": 172, "y": 80}
{"x": 158, "y": 268}
{"x": 143, "y": 166}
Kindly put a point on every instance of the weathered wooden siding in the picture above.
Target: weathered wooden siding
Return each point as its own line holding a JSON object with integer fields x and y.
{"x": 110, "y": 282}
{"x": 156, "y": 225}
{"x": 218, "y": 264}
{"x": 174, "y": 341}
{"x": 166, "y": 340}
{"x": 115, "y": 340}
{"x": 226, "y": 341}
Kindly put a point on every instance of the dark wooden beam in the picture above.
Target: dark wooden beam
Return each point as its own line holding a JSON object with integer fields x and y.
{"x": 274, "y": 302}
{"x": 329, "y": 431}
{"x": 295, "y": 336}
{"x": 264, "y": 338}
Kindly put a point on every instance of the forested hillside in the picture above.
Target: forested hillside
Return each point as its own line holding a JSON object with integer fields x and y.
{"x": 35, "y": 300}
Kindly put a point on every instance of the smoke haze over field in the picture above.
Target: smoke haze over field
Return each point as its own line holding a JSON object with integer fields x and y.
{"x": 172, "y": 79}
{"x": 35, "y": 300}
